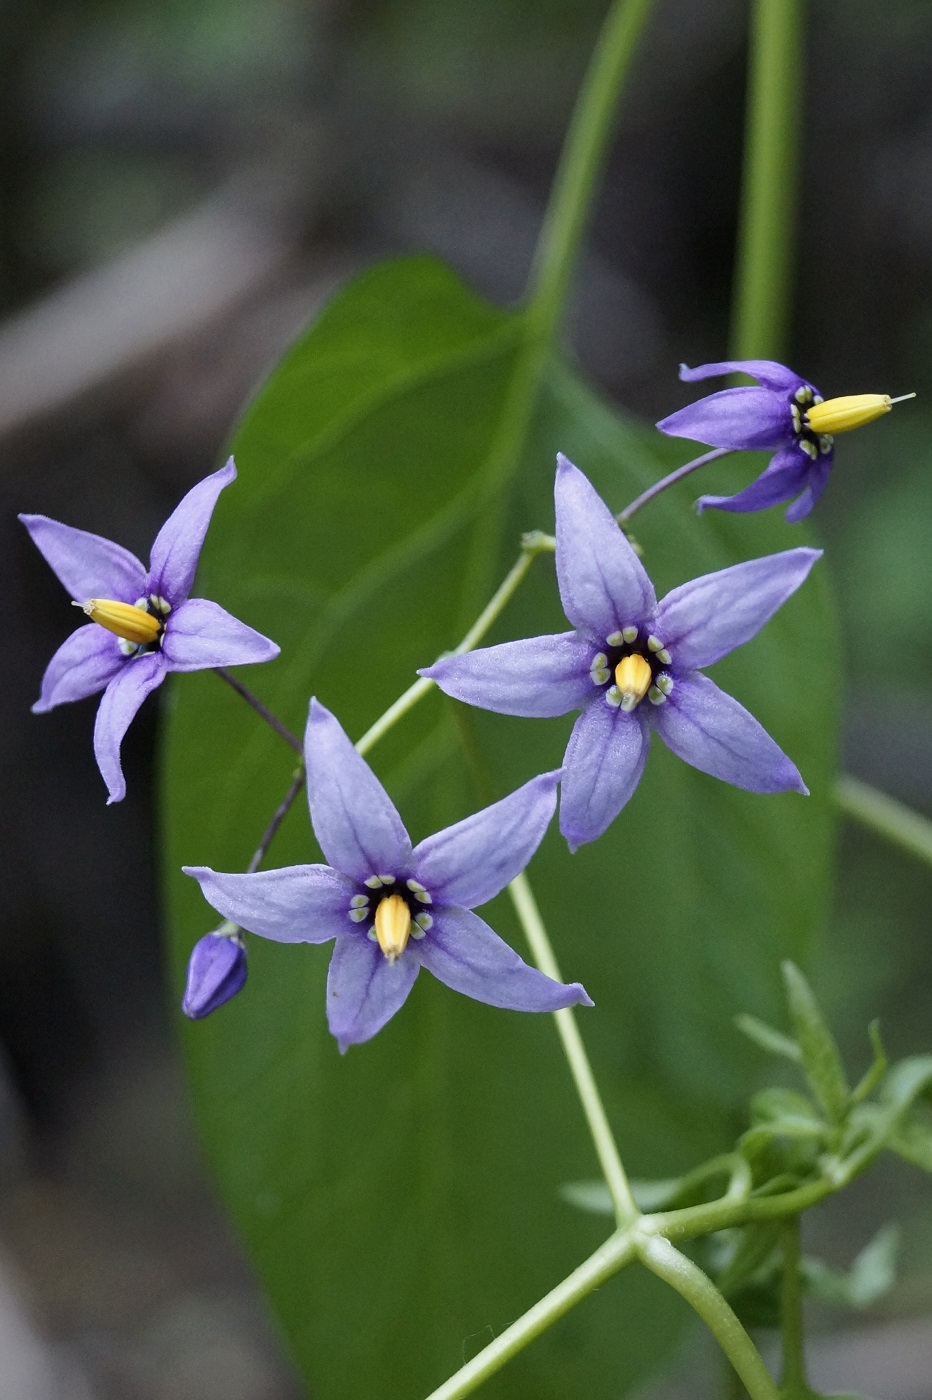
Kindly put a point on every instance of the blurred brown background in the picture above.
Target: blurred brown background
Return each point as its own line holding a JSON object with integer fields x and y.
{"x": 181, "y": 186}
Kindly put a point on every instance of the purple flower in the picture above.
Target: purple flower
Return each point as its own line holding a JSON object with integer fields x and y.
{"x": 392, "y": 909}
{"x": 216, "y": 972}
{"x": 143, "y": 624}
{"x": 632, "y": 665}
{"x": 783, "y": 414}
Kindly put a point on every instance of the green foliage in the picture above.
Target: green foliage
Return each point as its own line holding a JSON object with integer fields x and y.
{"x": 399, "y": 1202}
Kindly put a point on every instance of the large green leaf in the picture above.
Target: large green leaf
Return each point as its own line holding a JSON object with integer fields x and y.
{"x": 402, "y": 1203}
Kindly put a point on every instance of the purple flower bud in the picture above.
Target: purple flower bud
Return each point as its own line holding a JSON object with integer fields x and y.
{"x": 216, "y": 972}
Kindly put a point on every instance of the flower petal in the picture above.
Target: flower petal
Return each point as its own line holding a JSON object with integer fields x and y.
{"x": 88, "y": 565}
{"x": 537, "y": 677}
{"x": 708, "y": 617}
{"x": 178, "y": 544}
{"x": 353, "y": 817}
{"x": 767, "y": 372}
{"x": 118, "y": 706}
{"x": 364, "y": 990}
{"x": 709, "y": 729}
{"x": 736, "y": 419}
{"x": 603, "y": 765}
{"x": 785, "y": 475}
{"x": 603, "y": 584}
{"x": 818, "y": 477}
{"x": 298, "y": 904}
{"x": 462, "y": 951}
{"x": 85, "y": 662}
{"x": 199, "y": 634}
{"x": 216, "y": 972}
{"x": 470, "y": 862}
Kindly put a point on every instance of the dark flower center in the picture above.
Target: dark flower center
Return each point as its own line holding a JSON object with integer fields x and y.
{"x": 812, "y": 443}
{"x": 634, "y": 663}
{"x": 395, "y": 908}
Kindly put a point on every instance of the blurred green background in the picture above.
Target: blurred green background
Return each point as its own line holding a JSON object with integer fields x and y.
{"x": 181, "y": 188}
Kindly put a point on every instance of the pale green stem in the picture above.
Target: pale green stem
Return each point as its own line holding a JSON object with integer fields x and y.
{"x": 794, "y": 1382}
{"x": 606, "y": 1148}
{"x": 886, "y": 817}
{"x": 660, "y": 1256}
{"x": 612, "y": 1256}
{"x": 764, "y": 265}
{"x": 534, "y": 544}
{"x": 581, "y": 163}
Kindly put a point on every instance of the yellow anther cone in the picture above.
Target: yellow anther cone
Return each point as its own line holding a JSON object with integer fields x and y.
{"x": 392, "y": 926}
{"x": 633, "y": 677}
{"x": 851, "y": 411}
{"x": 124, "y": 619}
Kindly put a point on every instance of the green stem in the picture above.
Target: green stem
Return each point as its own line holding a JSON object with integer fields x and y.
{"x": 764, "y": 264}
{"x": 606, "y": 1148}
{"x": 534, "y": 544}
{"x": 886, "y": 817}
{"x": 612, "y": 1256}
{"x": 581, "y": 162}
{"x": 794, "y": 1383}
{"x": 660, "y": 1256}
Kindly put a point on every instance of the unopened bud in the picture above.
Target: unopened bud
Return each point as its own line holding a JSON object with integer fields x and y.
{"x": 216, "y": 972}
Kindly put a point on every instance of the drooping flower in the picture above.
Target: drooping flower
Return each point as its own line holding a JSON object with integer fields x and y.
{"x": 216, "y": 972}
{"x": 784, "y": 414}
{"x": 633, "y": 665}
{"x": 393, "y": 909}
{"x": 142, "y": 623}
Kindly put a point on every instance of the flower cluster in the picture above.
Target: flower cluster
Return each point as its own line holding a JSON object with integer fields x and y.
{"x": 630, "y": 664}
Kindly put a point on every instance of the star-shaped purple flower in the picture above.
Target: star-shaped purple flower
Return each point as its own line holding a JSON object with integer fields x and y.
{"x": 392, "y": 909}
{"x": 774, "y": 415}
{"x": 633, "y": 665}
{"x": 143, "y": 624}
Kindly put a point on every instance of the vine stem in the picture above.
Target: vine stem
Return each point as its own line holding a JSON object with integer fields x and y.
{"x": 794, "y": 1382}
{"x": 883, "y": 815}
{"x": 665, "y": 482}
{"x": 764, "y": 264}
{"x": 297, "y": 783}
{"x": 271, "y": 719}
{"x": 666, "y": 1261}
{"x": 534, "y": 544}
{"x": 606, "y": 1148}
{"x": 613, "y": 1255}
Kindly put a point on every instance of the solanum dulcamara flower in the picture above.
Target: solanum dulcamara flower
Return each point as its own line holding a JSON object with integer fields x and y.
{"x": 782, "y": 413}
{"x": 393, "y": 909}
{"x": 633, "y": 665}
{"x": 142, "y": 622}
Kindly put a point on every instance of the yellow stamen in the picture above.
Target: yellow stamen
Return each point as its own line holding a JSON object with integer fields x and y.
{"x": 633, "y": 678}
{"x": 124, "y": 619}
{"x": 851, "y": 411}
{"x": 392, "y": 926}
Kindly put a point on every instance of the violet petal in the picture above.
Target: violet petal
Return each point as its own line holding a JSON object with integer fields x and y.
{"x": 537, "y": 677}
{"x": 709, "y": 729}
{"x": 216, "y": 972}
{"x": 736, "y": 419}
{"x": 200, "y": 634}
{"x": 767, "y": 372}
{"x": 85, "y": 662}
{"x": 297, "y": 904}
{"x": 118, "y": 706}
{"x": 354, "y": 819}
{"x": 708, "y": 617}
{"x": 470, "y": 862}
{"x": 602, "y": 582}
{"x": 603, "y": 765}
{"x": 364, "y": 990}
{"x": 462, "y": 951}
{"x": 88, "y": 565}
{"x": 178, "y": 544}
{"x": 816, "y": 482}
{"x": 785, "y": 475}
